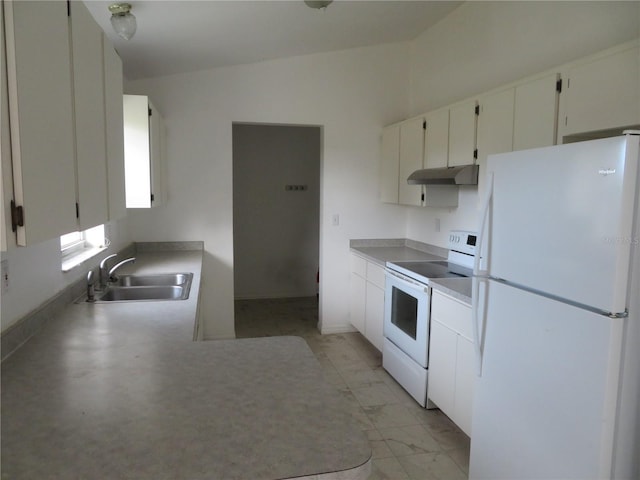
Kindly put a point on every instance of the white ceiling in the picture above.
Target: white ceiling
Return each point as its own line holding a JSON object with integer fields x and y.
{"x": 184, "y": 36}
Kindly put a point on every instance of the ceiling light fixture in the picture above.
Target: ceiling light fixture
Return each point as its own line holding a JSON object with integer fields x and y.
{"x": 318, "y": 4}
{"x": 122, "y": 20}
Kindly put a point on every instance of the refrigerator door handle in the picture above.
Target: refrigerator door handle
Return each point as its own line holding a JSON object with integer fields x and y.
{"x": 486, "y": 205}
{"x": 480, "y": 275}
{"x": 475, "y": 324}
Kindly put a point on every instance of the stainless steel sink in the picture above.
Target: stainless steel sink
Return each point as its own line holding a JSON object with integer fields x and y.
{"x": 171, "y": 279}
{"x": 132, "y": 288}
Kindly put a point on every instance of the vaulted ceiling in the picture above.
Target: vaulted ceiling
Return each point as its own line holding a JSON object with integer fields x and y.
{"x": 182, "y": 36}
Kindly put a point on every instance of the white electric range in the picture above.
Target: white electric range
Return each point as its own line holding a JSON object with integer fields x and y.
{"x": 407, "y": 309}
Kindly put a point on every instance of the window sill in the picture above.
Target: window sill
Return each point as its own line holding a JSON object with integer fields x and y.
{"x": 74, "y": 260}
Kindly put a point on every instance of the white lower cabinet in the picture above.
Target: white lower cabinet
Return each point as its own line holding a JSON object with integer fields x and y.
{"x": 367, "y": 299}
{"x": 451, "y": 357}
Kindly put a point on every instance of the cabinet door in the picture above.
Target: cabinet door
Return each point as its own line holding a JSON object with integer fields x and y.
{"x": 436, "y": 141}
{"x": 495, "y": 124}
{"x": 375, "y": 315}
{"x": 136, "y": 152}
{"x": 411, "y": 159}
{"x": 88, "y": 89}
{"x": 357, "y": 301}
{"x": 465, "y": 379}
{"x": 156, "y": 152}
{"x": 114, "y": 130}
{"x": 535, "y": 121}
{"x": 5, "y": 153}
{"x": 40, "y": 108}
{"x": 389, "y": 164}
{"x": 442, "y": 366}
{"x": 603, "y": 93}
{"x": 462, "y": 133}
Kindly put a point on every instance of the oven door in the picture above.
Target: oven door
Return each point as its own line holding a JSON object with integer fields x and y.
{"x": 406, "y": 316}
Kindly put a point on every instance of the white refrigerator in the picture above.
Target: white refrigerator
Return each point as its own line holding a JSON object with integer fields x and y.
{"x": 556, "y": 315}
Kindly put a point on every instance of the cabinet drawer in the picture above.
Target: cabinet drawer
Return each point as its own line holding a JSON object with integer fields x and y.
{"x": 358, "y": 265}
{"x": 375, "y": 274}
{"x": 452, "y": 313}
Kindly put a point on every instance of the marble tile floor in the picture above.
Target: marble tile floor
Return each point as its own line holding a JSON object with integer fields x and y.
{"x": 407, "y": 441}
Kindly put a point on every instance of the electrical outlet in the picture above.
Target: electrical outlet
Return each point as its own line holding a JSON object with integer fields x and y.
{"x": 5, "y": 275}
{"x": 437, "y": 225}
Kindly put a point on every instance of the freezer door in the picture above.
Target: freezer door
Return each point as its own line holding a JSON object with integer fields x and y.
{"x": 544, "y": 406}
{"x": 561, "y": 220}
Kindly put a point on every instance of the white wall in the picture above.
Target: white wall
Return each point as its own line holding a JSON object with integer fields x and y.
{"x": 351, "y": 94}
{"x": 35, "y": 274}
{"x": 276, "y": 237}
{"x": 483, "y": 45}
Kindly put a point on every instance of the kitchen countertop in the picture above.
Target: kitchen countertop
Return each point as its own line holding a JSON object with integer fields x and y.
{"x": 121, "y": 391}
{"x": 381, "y": 251}
{"x": 458, "y": 288}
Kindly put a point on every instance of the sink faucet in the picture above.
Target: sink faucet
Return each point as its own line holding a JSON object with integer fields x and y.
{"x": 112, "y": 277}
{"x": 91, "y": 291}
{"x": 104, "y": 274}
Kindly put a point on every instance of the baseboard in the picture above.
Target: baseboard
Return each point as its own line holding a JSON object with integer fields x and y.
{"x": 345, "y": 328}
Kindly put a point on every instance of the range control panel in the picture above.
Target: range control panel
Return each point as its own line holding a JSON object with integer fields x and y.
{"x": 463, "y": 241}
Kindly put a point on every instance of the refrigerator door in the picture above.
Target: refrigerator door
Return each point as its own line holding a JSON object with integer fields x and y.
{"x": 561, "y": 220}
{"x": 544, "y": 406}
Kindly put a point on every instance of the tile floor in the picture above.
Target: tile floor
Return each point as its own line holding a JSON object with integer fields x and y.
{"x": 408, "y": 442}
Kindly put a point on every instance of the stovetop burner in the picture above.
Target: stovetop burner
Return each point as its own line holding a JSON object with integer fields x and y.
{"x": 423, "y": 271}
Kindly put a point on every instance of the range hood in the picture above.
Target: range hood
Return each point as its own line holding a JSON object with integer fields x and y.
{"x": 464, "y": 175}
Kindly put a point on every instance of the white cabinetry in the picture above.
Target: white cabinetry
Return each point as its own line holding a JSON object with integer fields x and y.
{"x": 41, "y": 118}
{"x": 114, "y": 130}
{"x": 411, "y": 159}
{"x": 5, "y": 153}
{"x": 57, "y": 119}
{"x": 603, "y": 92}
{"x": 89, "y": 110}
{"x": 495, "y": 124}
{"x": 451, "y": 357}
{"x": 143, "y": 152}
{"x": 417, "y": 143}
{"x": 367, "y": 299}
{"x": 535, "y": 121}
{"x": 436, "y": 140}
{"x": 389, "y": 164}
{"x": 462, "y": 133}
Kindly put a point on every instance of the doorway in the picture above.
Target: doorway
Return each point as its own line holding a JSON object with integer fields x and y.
{"x": 276, "y": 217}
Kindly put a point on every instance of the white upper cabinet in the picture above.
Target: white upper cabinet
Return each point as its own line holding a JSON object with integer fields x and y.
{"x": 157, "y": 153}
{"x": 41, "y": 118}
{"x": 143, "y": 152}
{"x": 603, "y": 92}
{"x": 411, "y": 159}
{"x": 114, "y": 130}
{"x": 536, "y": 113}
{"x": 495, "y": 124}
{"x": 5, "y": 153}
{"x": 462, "y": 133}
{"x": 436, "y": 140}
{"x": 57, "y": 107}
{"x": 89, "y": 108}
{"x": 389, "y": 164}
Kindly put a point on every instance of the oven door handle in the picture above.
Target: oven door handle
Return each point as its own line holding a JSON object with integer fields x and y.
{"x": 410, "y": 281}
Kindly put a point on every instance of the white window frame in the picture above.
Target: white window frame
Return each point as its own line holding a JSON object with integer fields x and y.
{"x": 78, "y": 247}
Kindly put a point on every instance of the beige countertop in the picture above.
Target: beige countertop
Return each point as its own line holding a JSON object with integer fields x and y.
{"x": 121, "y": 391}
{"x": 381, "y": 251}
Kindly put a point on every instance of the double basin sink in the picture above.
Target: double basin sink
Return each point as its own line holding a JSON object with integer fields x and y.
{"x": 163, "y": 286}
